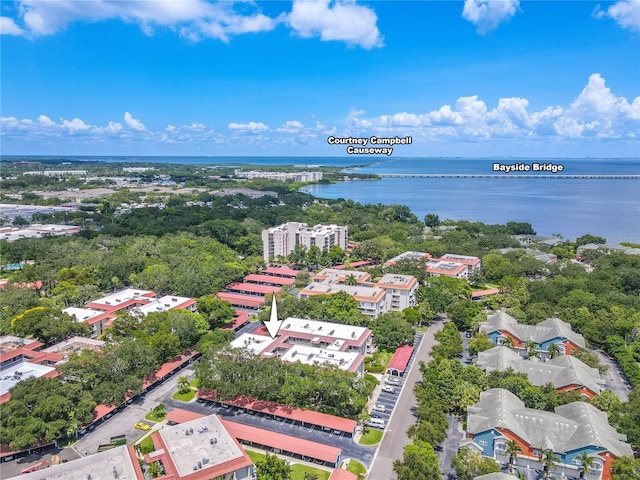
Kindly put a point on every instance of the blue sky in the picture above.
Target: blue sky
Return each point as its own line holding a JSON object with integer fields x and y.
{"x": 193, "y": 77}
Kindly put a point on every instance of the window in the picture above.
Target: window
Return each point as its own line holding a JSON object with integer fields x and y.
{"x": 482, "y": 443}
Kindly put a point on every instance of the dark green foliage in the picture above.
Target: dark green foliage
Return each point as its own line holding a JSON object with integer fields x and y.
{"x": 273, "y": 468}
{"x": 469, "y": 464}
{"x": 390, "y": 330}
{"x": 49, "y": 325}
{"x": 235, "y": 373}
{"x": 44, "y": 410}
{"x": 449, "y": 343}
{"x": 419, "y": 462}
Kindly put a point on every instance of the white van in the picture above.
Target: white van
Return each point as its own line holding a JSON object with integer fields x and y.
{"x": 375, "y": 422}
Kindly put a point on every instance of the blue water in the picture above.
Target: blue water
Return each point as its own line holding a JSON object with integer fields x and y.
{"x": 571, "y": 207}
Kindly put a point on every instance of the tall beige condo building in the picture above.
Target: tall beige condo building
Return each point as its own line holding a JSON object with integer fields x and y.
{"x": 281, "y": 240}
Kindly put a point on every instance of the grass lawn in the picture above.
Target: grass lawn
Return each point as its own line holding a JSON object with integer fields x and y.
{"x": 184, "y": 397}
{"x": 356, "y": 467}
{"x": 255, "y": 456}
{"x": 371, "y": 437}
{"x": 146, "y": 445}
{"x": 298, "y": 471}
{"x": 195, "y": 382}
{"x": 152, "y": 418}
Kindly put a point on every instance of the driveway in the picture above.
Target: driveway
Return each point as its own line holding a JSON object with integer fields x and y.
{"x": 395, "y": 437}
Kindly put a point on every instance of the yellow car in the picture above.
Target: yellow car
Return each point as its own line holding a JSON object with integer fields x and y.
{"x": 142, "y": 426}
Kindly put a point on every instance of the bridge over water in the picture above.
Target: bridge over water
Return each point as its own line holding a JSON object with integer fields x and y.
{"x": 539, "y": 176}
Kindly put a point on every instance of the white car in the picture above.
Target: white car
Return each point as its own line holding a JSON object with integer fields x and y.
{"x": 388, "y": 389}
{"x": 378, "y": 407}
{"x": 392, "y": 381}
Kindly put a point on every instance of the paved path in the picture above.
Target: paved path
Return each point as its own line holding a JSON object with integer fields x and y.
{"x": 395, "y": 437}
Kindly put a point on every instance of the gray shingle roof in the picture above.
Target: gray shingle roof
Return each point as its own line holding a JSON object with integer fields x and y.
{"x": 544, "y": 331}
{"x": 496, "y": 476}
{"x": 571, "y": 427}
{"x": 560, "y": 371}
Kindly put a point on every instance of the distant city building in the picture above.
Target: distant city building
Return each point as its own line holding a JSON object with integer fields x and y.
{"x": 58, "y": 173}
{"x": 501, "y": 327}
{"x": 572, "y": 430}
{"x": 11, "y": 234}
{"x": 281, "y": 240}
{"x": 281, "y": 176}
{"x": 249, "y": 192}
{"x": 313, "y": 342}
{"x": 566, "y": 373}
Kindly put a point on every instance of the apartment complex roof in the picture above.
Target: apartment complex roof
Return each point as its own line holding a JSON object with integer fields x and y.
{"x": 545, "y": 331}
{"x": 201, "y": 445}
{"x": 280, "y": 272}
{"x": 118, "y": 463}
{"x": 253, "y": 288}
{"x": 359, "y": 292}
{"x": 397, "y": 281}
{"x": 571, "y": 427}
{"x": 269, "y": 279}
{"x": 561, "y": 371}
{"x": 407, "y": 256}
{"x": 299, "y": 446}
{"x": 310, "y": 417}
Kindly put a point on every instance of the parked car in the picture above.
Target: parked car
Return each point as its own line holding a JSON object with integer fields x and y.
{"x": 375, "y": 422}
{"x": 392, "y": 381}
{"x": 142, "y": 426}
{"x": 378, "y": 407}
{"x": 388, "y": 389}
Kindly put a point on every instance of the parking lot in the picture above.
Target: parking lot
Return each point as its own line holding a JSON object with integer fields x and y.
{"x": 388, "y": 399}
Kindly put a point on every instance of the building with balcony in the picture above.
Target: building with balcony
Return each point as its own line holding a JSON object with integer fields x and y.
{"x": 280, "y": 241}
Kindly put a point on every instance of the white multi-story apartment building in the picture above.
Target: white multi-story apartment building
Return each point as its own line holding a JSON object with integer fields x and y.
{"x": 281, "y": 240}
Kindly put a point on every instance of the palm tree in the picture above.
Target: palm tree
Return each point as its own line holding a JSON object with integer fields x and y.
{"x": 532, "y": 349}
{"x": 512, "y": 450}
{"x": 509, "y": 342}
{"x": 548, "y": 461}
{"x": 183, "y": 384}
{"x": 553, "y": 350}
{"x": 586, "y": 463}
{"x": 351, "y": 280}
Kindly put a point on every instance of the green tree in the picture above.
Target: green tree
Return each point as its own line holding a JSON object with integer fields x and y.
{"x": 469, "y": 464}
{"x": 272, "y": 468}
{"x": 155, "y": 470}
{"x": 215, "y": 310}
{"x": 586, "y": 462}
{"x": 479, "y": 343}
{"x": 183, "y": 384}
{"x": 549, "y": 461}
{"x": 512, "y": 450}
{"x": 431, "y": 220}
{"x": 554, "y": 350}
{"x": 419, "y": 462}
{"x": 47, "y": 324}
{"x": 626, "y": 468}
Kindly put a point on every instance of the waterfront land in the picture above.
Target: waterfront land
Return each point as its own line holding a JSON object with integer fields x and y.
{"x": 191, "y": 231}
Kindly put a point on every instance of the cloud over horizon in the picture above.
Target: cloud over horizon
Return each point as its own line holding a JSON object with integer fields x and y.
{"x": 595, "y": 114}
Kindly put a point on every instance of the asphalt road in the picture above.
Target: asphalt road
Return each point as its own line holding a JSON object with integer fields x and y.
{"x": 395, "y": 437}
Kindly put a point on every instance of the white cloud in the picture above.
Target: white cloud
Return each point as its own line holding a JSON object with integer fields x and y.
{"x": 486, "y": 15}
{"x": 596, "y": 112}
{"x": 46, "y": 121}
{"x": 193, "y": 19}
{"x": 251, "y": 127}
{"x": 133, "y": 123}
{"x": 291, "y": 126}
{"x": 9, "y": 27}
{"x": 75, "y": 125}
{"x": 625, "y": 12}
{"x": 338, "y": 20}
